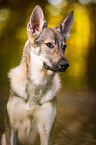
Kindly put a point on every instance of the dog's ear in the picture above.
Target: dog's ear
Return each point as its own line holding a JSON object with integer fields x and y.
{"x": 65, "y": 25}
{"x": 36, "y": 23}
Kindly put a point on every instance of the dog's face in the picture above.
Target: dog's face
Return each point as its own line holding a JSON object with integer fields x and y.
{"x": 49, "y": 43}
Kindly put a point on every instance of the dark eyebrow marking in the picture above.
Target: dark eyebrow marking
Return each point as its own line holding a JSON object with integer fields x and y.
{"x": 64, "y": 47}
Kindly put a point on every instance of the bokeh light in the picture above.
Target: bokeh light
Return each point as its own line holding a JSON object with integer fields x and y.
{"x": 55, "y": 2}
{"x": 84, "y": 1}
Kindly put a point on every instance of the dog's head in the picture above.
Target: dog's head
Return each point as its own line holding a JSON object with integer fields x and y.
{"x": 47, "y": 43}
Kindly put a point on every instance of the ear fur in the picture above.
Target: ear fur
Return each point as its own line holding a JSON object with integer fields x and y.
{"x": 36, "y": 23}
{"x": 65, "y": 25}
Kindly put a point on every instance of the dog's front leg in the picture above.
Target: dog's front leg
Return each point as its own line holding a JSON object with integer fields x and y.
{"x": 44, "y": 136}
{"x": 46, "y": 117}
{"x": 13, "y": 137}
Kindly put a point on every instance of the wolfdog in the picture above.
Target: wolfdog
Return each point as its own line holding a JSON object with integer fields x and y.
{"x": 31, "y": 107}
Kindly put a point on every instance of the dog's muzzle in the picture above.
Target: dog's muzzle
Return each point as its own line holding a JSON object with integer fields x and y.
{"x": 61, "y": 66}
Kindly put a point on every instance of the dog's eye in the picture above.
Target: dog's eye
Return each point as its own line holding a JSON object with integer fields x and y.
{"x": 49, "y": 45}
{"x": 64, "y": 47}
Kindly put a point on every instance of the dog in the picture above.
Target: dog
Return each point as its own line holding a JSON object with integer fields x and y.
{"x": 31, "y": 107}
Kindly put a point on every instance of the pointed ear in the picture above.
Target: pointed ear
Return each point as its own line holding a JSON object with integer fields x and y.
{"x": 65, "y": 25}
{"x": 37, "y": 22}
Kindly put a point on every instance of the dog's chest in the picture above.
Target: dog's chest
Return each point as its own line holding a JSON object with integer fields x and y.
{"x": 36, "y": 92}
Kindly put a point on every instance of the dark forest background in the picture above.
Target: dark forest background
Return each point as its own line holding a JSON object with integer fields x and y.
{"x": 78, "y": 82}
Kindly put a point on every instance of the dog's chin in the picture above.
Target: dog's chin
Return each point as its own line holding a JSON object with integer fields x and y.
{"x": 53, "y": 68}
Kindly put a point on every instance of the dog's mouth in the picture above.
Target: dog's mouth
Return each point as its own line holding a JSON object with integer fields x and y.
{"x": 56, "y": 68}
{"x": 48, "y": 67}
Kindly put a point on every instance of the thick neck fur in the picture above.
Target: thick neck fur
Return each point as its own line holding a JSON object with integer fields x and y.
{"x": 31, "y": 81}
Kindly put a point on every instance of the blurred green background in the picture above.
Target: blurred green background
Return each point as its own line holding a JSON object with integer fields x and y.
{"x": 79, "y": 81}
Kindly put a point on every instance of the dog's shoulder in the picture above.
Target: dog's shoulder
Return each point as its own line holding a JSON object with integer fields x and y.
{"x": 18, "y": 80}
{"x": 18, "y": 75}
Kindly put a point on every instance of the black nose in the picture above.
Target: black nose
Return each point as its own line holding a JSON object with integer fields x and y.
{"x": 63, "y": 65}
